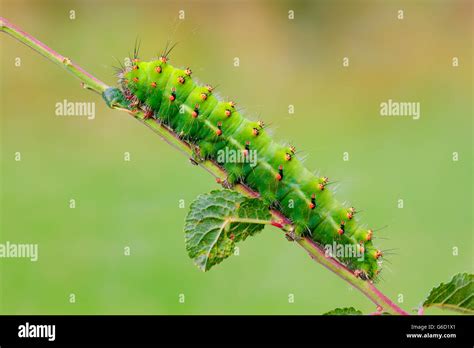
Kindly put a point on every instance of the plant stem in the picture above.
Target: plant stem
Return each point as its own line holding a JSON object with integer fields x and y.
{"x": 365, "y": 286}
{"x": 315, "y": 251}
{"x": 89, "y": 81}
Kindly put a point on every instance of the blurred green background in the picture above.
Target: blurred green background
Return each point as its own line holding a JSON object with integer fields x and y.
{"x": 282, "y": 62}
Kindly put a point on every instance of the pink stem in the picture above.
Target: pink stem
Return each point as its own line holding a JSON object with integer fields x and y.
{"x": 89, "y": 81}
{"x": 364, "y": 286}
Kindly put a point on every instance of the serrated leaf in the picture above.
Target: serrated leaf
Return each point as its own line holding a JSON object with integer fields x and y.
{"x": 211, "y": 229}
{"x": 344, "y": 311}
{"x": 457, "y": 295}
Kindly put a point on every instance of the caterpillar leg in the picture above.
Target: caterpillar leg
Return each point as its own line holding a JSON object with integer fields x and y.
{"x": 196, "y": 156}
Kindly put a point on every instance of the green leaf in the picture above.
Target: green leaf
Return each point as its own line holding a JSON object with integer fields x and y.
{"x": 217, "y": 221}
{"x": 344, "y": 311}
{"x": 456, "y": 295}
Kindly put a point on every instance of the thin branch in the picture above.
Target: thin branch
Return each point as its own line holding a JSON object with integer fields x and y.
{"x": 365, "y": 286}
{"x": 89, "y": 81}
{"x": 279, "y": 220}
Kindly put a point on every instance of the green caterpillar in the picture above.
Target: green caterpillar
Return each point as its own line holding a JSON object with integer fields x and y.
{"x": 170, "y": 96}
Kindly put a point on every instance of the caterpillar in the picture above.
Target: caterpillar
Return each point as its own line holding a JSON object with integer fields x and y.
{"x": 194, "y": 113}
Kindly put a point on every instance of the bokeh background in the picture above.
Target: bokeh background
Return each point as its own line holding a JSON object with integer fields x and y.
{"x": 282, "y": 62}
